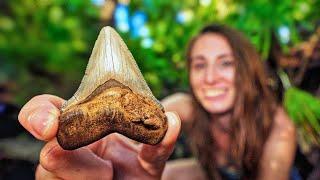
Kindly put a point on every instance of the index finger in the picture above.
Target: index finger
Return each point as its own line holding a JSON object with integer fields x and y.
{"x": 40, "y": 115}
{"x": 153, "y": 158}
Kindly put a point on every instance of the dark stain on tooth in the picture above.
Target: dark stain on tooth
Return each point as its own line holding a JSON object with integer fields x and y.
{"x": 112, "y": 107}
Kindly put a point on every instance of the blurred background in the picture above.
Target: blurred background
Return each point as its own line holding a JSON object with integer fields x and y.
{"x": 45, "y": 46}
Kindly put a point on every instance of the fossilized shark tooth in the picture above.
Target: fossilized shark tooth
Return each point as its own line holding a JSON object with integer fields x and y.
{"x": 112, "y": 97}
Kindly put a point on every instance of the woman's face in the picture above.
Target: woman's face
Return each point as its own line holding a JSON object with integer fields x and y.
{"x": 212, "y": 73}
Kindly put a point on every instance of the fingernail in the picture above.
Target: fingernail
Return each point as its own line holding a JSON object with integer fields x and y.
{"x": 41, "y": 121}
{"x": 172, "y": 117}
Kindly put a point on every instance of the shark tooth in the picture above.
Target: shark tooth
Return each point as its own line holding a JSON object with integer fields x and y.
{"x": 112, "y": 97}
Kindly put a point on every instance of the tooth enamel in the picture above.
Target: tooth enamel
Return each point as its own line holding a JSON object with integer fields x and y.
{"x": 214, "y": 92}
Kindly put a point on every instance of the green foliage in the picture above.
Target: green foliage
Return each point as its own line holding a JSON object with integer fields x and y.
{"x": 304, "y": 110}
{"x": 259, "y": 18}
{"x": 45, "y": 44}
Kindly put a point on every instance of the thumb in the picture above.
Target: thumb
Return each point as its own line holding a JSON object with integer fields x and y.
{"x": 40, "y": 116}
{"x": 153, "y": 158}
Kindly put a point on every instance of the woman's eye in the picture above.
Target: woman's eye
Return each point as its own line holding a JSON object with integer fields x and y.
{"x": 227, "y": 63}
{"x": 199, "y": 66}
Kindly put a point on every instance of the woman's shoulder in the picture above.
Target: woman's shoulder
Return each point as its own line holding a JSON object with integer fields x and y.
{"x": 282, "y": 121}
{"x": 280, "y": 147}
{"x": 181, "y": 103}
{"x": 183, "y": 169}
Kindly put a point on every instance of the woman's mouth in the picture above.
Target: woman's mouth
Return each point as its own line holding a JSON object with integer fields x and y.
{"x": 215, "y": 93}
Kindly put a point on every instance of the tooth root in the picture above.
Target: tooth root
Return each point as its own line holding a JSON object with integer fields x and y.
{"x": 105, "y": 113}
{"x": 77, "y": 129}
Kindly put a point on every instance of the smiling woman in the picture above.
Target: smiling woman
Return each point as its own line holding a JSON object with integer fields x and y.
{"x": 235, "y": 127}
{"x": 212, "y": 73}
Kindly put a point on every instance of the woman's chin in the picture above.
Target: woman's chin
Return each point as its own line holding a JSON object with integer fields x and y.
{"x": 217, "y": 109}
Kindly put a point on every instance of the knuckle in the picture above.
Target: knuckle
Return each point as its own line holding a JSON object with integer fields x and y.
{"x": 49, "y": 158}
{"x": 113, "y": 149}
{"x": 110, "y": 150}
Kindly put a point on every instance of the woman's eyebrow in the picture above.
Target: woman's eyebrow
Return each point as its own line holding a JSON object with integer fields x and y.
{"x": 198, "y": 57}
{"x": 225, "y": 55}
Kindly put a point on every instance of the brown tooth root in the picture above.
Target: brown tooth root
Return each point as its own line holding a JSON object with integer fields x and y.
{"x": 77, "y": 129}
{"x": 107, "y": 112}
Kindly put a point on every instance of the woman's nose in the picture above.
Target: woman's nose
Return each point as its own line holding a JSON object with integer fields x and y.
{"x": 211, "y": 74}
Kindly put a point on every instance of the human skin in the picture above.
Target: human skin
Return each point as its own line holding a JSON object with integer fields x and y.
{"x": 113, "y": 157}
{"x": 212, "y": 75}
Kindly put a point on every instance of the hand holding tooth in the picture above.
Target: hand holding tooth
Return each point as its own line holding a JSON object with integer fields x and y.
{"x": 112, "y": 157}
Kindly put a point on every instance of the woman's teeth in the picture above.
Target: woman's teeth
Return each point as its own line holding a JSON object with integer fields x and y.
{"x": 214, "y": 92}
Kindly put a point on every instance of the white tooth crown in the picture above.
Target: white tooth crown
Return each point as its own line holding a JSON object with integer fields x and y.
{"x": 214, "y": 92}
{"x": 110, "y": 59}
